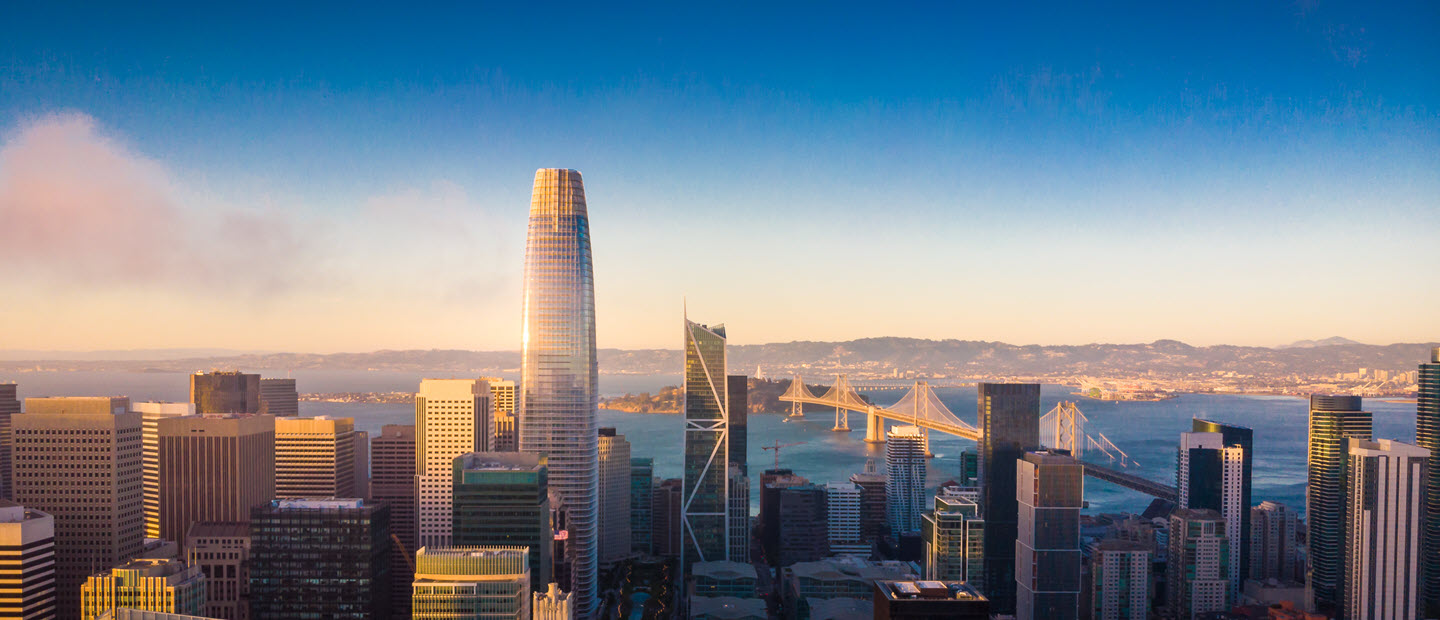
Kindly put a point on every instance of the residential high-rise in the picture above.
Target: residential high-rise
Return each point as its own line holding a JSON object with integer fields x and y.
{"x": 1197, "y": 570}
{"x": 706, "y": 488}
{"x": 614, "y": 497}
{"x": 737, "y": 388}
{"x": 503, "y": 499}
{"x": 1210, "y": 474}
{"x": 1121, "y": 580}
{"x": 1239, "y": 442}
{"x": 1427, "y": 435}
{"x": 225, "y": 392}
{"x": 9, "y": 406}
{"x": 315, "y": 457}
{"x": 93, "y": 488}
{"x": 553, "y": 604}
{"x": 905, "y": 478}
{"x": 507, "y": 429}
{"x": 1275, "y": 543}
{"x": 222, "y": 553}
{"x": 1009, "y": 419}
{"x": 27, "y": 555}
{"x": 349, "y": 581}
{"x": 1050, "y": 490}
{"x": 954, "y": 539}
{"x": 471, "y": 582}
{"x": 873, "y": 514}
{"x": 842, "y": 502}
{"x": 559, "y": 376}
{"x": 1333, "y": 420}
{"x": 214, "y": 467}
{"x": 279, "y": 398}
{"x": 642, "y": 487}
{"x": 150, "y": 415}
{"x": 1382, "y": 535}
{"x": 164, "y": 585}
{"x": 452, "y": 417}
{"x": 392, "y": 482}
{"x": 665, "y": 518}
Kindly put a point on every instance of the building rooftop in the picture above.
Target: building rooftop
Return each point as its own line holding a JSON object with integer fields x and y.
{"x": 727, "y": 607}
{"x": 474, "y": 552}
{"x": 850, "y": 568}
{"x": 724, "y": 569}
{"x": 1120, "y": 544}
{"x": 1047, "y": 457}
{"x": 317, "y": 503}
{"x": 840, "y": 608}
{"x": 218, "y": 529}
{"x": 11, "y": 512}
{"x": 499, "y": 461}
{"x": 928, "y": 590}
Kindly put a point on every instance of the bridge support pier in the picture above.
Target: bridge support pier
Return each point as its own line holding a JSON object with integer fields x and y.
{"x": 874, "y": 427}
{"x": 925, "y": 436}
{"x": 797, "y": 409}
{"x": 842, "y": 420}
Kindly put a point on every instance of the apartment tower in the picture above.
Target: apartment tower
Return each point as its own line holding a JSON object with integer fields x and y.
{"x": 1275, "y": 543}
{"x": 1197, "y": 569}
{"x": 1234, "y": 437}
{"x": 1050, "y": 490}
{"x": 1333, "y": 420}
{"x": 1009, "y": 416}
{"x": 1210, "y": 474}
{"x": 1120, "y": 588}
{"x": 954, "y": 541}
{"x": 1427, "y": 435}
{"x": 905, "y": 472}
{"x": 1382, "y": 535}
{"x": 452, "y": 417}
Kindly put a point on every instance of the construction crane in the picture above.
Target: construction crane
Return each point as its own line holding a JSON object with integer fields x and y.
{"x": 777, "y": 447}
{"x": 409, "y": 559}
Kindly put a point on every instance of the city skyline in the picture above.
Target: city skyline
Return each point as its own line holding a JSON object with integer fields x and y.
{"x": 1108, "y": 184}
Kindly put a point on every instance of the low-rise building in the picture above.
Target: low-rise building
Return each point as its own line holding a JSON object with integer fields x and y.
{"x": 723, "y": 578}
{"x": 954, "y": 600}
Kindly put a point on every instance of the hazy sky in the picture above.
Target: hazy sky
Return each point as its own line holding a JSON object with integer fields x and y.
{"x": 341, "y": 178}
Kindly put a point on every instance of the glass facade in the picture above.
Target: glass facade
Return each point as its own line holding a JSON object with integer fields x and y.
{"x": 642, "y": 486}
{"x": 1427, "y": 435}
{"x": 320, "y": 559}
{"x": 559, "y": 375}
{"x": 1333, "y": 419}
{"x": 705, "y": 489}
{"x": 1009, "y": 416}
{"x": 503, "y": 499}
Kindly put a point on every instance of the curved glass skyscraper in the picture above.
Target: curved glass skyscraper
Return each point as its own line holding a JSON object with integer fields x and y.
{"x": 558, "y": 397}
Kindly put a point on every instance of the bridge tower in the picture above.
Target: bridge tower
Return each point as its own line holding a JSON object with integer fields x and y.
{"x": 874, "y": 426}
{"x": 842, "y": 415}
{"x": 1063, "y": 428}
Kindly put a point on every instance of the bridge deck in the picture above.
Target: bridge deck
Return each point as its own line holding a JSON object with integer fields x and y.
{"x": 1132, "y": 482}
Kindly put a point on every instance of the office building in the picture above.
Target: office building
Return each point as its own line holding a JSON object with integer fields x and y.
{"x": 842, "y": 502}
{"x": 502, "y": 402}
{"x": 214, "y": 467}
{"x": 315, "y": 457}
{"x": 1382, "y": 535}
{"x": 1050, "y": 491}
{"x": 772, "y": 482}
{"x": 953, "y": 535}
{"x": 739, "y": 519}
{"x": 125, "y": 613}
{"x": 279, "y": 398}
{"x": 723, "y": 578}
{"x": 970, "y": 468}
{"x": 471, "y": 582}
{"x": 1009, "y": 419}
{"x": 27, "y": 557}
{"x": 1120, "y": 574}
{"x": 558, "y": 372}
{"x": 225, "y": 392}
{"x": 362, "y": 464}
{"x": 804, "y": 586}
{"x": 503, "y": 499}
{"x": 222, "y": 553}
{"x": 1333, "y": 420}
{"x": 78, "y": 459}
{"x": 150, "y": 415}
{"x": 1275, "y": 543}
{"x": 1427, "y": 435}
{"x": 1238, "y": 442}
{"x": 9, "y": 407}
{"x": 614, "y": 497}
{"x": 927, "y": 600}
{"x": 1197, "y": 574}
{"x": 665, "y": 515}
{"x": 553, "y": 604}
{"x": 642, "y": 497}
{"x": 452, "y": 417}
{"x": 392, "y": 482}
{"x": 873, "y": 514}
{"x": 1210, "y": 474}
{"x": 349, "y": 581}
{"x": 905, "y": 478}
{"x": 146, "y": 584}
{"x": 802, "y": 533}
{"x": 706, "y": 488}
{"x": 737, "y": 388}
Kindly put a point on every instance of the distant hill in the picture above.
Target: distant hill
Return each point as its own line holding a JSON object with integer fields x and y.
{"x": 1310, "y": 344}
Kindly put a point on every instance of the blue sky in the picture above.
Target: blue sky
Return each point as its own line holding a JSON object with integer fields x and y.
{"x": 1047, "y": 174}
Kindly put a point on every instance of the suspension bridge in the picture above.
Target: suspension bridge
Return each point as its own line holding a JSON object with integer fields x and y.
{"x": 1063, "y": 428}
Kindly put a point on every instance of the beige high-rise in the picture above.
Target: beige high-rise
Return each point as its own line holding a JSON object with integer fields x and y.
{"x": 507, "y": 423}
{"x": 614, "y": 497}
{"x": 452, "y": 417}
{"x": 150, "y": 415}
{"x": 27, "y": 555}
{"x": 79, "y": 460}
{"x": 222, "y": 552}
{"x": 214, "y": 468}
{"x": 315, "y": 457}
{"x": 164, "y": 585}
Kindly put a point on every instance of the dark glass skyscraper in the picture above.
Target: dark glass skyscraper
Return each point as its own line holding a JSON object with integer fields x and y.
{"x": 706, "y": 489}
{"x": 1050, "y": 492}
{"x": 1427, "y": 435}
{"x": 320, "y": 558}
{"x": 503, "y": 499}
{"x": 1009, "y": 418}
{"x": 738, "y": 388}
{"x": 1333, "y": 419}
{"x": 225, "y": 392}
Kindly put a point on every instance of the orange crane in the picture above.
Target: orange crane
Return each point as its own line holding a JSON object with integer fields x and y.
{"x": 777, "y": 447}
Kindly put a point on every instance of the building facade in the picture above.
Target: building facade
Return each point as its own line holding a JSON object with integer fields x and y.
{"x": 164, "y": 585}
{"x": 392, "y": 482}
{"x": 1050, "y": 491}
{"x": 802, "y": 534}
{"x": 452, "y": 417}
{"x": 507, "y": 423}
{"x": 1427, "y": 435}
{"x": 614, "y": 497}
{"x": 842, "y": 502}
{"x": 642, "y": 487}
{"x": 315, "y": 457}
{"x": 279, "y": 398}
{"x": 150, "y": 415}
{"x": 925, "y": 600}
{"x": 1211, "y": 474}
{"x": 706, "y": 489}
{"x": 222, "y": 553}
{"x": 1275, "y": 543}
{"x": 225, "y": 392}
{"x": 874, "y": 515}
{"x": 214, "y": 467}
{"x": 665, "y": 516}
{"x": 27, "y": 559}
{"x": 503, "y": 499}
{"x": 739, "y": 519}
{"x": 471, "y": 582}
{"x": 905, "y": 470}
{"x": 1009, "y": 417}
{"x": 1385, "y": 484}
{"x": 1120, "y": 574}
{"x": 1238, "y": 442}
{"x": 9, "y": 407}
{"x": 1333, "y": 420}
{"x": 954, "y": 541}
{"x": 349, "y": 581}
{"x": 1197, "y": 569}
{"x": 553, "y": 604}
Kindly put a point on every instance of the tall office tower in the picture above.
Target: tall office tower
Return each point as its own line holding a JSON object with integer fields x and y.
{"x": 1009, "y": 417}
{"x": 1333, "y": 419}
{"x": 558, "y": 374}
{"x": 706, "y": 489}
{"x": 954, "y": 539}
{"x": 279, "y": 398}
{"x": 225, "y": 392}
{"x": 614, "y": 497}
{"x": 1385, "y": 484}
{"x": 739, "y": 519}
{"x": 392, "y": 482}
{"x": 553, "y": 604}
{"x": 27, "y": 555}
{"x": 452, "y": 417}
{"x": 737, "y": 389}
{"x": 92, "y": 488}
{"x": 1235, "y": 509}
{"x": 772, "y": 482}
{"x": 150, "y": 415}
{"x": 1121, "y": 580}
{"x": 1275, "y": 543}
{"x": 1050, "y": 490}
{"x": 1197, "y": 570}
{"x": 842, "y": 506}
{"x": 1427, "y": 435}
{"x": 471, "y": 582}
{"x": 873, "y": 513}
{"x": 164, "y": 585}
{"x": 9, "y": 406}
{"x": 350, "y": 580}
{"x": 642, "y": 494}
{"x": 1210, "y": 474}
{"x": 507, "y": 427}
{"x": 905, "y": 478}
{"x": 222, "y": 553}
{"x": 315, "y": 457}
{"x": 214, "y": 468}
{"x": 362, "y": 464}
{"x": 503, "y": 498}
{"x": 802, "y": 534}
{"x": 665, "y": 518}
